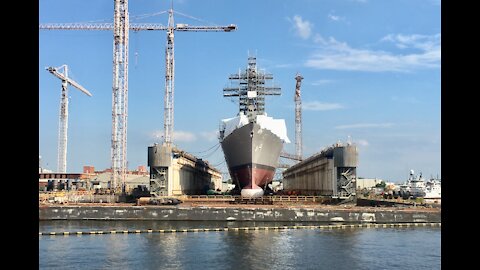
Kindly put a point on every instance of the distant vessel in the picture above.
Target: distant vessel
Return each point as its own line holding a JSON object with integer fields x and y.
{"x": 416, "y": 186}
{"x": 433, "y": 189}
{"x": 252, "y": 141}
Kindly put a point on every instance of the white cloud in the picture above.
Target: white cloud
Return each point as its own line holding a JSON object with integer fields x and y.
{"x": 210, "y": 135}
{"x": 421, "y": 42}
{"x": 321, "y": 82}
{"x": 303, "y": 28}
{"x": 320, "y": 106}
{"x": 334, "y": 17}
{"x": 364, "y": 125}
{"x": 362, "y": 142}
{"x": 336, "y": 55}
{"x": 178, "y": 135}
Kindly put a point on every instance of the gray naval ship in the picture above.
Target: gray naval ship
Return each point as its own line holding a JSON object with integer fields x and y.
{"x": 252, "y": 141}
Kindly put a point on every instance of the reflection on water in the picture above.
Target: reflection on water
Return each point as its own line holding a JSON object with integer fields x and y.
{"x": 359, "y": 248}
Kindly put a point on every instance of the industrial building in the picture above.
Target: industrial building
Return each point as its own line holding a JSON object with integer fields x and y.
{"x": 89, "y": 179}
{"x": 172, "y": 172}
{"x": 368, "y": 183}
{"x": 175, "y": 172}
{"x": 332, "y": 172}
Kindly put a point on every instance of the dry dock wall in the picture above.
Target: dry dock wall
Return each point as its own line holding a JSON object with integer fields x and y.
{"x": 230, "y": 214}
{"x": 176, "y": 172}
{"x": 328, "y": 173}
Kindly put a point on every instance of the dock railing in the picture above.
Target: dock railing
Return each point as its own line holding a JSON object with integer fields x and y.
{"x": 274, "y": 198}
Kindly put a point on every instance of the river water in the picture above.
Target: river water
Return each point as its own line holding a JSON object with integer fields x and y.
{"x": 351, "y": 248}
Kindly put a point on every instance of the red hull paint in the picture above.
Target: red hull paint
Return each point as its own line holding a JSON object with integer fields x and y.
{"x": 255, "y": 178}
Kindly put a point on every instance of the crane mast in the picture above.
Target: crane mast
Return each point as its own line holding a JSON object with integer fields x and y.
{"x": 298, "y": 117}
{"x": 169, "y": 81}
{"x": 119, "y": 95}
{"x": 63, "y": 115}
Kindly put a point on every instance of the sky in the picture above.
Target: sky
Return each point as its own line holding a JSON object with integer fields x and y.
{"x": 371, "y": 73}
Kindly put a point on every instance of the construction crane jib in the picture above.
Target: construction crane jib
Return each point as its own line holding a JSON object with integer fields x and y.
{"x": 63, "y": 119}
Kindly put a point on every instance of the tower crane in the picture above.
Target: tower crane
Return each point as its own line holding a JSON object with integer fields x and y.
{"x": 298, "y": 117}
{"x": 63, "y": 122}
{"x": 120, "y": 28}
{"x": 298, "y": 126}
{"x": 170, "y": 67}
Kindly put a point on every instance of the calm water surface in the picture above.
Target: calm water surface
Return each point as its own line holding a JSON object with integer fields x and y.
{"x": 357, "y": 248}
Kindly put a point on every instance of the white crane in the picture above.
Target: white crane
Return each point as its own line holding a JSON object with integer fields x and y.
{"x": 63, "y": 122}
{"x": 120, "y": 28}
{"x": 298, "y": 117}
{"x": 170, "y": 67}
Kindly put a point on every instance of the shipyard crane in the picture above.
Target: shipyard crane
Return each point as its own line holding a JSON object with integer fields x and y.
{"x": 120, "y": 75}
{"x": 298, "y": 117}
{"x": 170, "y": 67}
{"x": 298, "y": 126}
{"x": 63, "y": 122}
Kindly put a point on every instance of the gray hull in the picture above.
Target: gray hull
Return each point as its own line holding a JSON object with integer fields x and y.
{"x": 252, "y": 156}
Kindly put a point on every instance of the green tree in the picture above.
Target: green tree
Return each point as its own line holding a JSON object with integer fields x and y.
{"x": 381, "y": 184}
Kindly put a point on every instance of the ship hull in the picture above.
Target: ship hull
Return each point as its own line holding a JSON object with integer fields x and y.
{"x": 252, "y": 153}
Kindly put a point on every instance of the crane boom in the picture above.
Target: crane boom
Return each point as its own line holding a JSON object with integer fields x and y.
{"x": 99, "y": 26}
{"x": 135, "y": 27}
{"x": 68, "y": 80}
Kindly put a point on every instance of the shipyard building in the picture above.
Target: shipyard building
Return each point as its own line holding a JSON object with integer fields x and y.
{"x": 332, "y": 172}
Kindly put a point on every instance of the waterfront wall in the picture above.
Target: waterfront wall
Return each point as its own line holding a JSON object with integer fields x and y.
{"x": 237, "y": 214}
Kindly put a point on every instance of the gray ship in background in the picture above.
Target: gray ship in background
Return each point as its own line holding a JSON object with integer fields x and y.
{"x": 252, "y": 141}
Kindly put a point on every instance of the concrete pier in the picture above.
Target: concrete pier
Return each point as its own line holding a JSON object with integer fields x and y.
{"x": 300, "y": 214}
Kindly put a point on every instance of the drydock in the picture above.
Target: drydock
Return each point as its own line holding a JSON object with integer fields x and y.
{"x": 175, "y": 172}
{"x": 332, "y": 172}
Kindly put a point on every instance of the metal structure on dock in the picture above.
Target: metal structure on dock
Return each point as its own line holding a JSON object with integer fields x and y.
{"x": 332, "y": 172}
{"x": 176, "y": 172}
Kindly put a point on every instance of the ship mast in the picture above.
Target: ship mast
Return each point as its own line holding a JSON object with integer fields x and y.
{"x": 251, "y": 90}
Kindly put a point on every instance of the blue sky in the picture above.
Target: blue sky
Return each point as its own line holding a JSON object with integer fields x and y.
{"x": 371, "y": 71}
